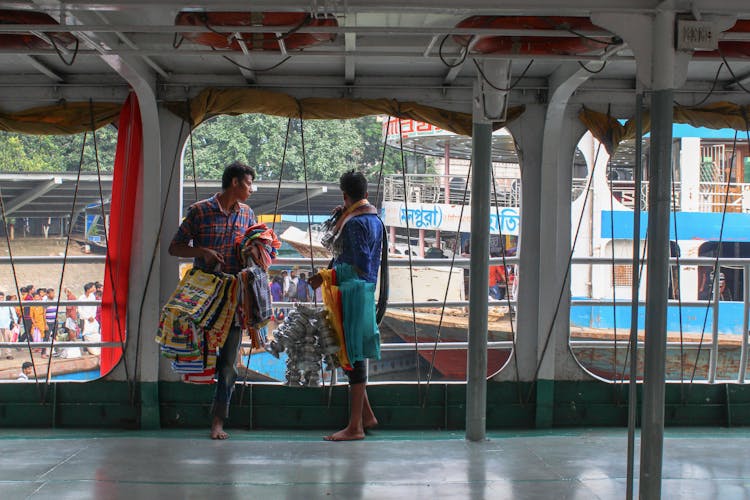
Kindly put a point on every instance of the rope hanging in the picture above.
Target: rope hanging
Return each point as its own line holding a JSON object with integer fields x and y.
{"x": 447, "y": 288}
{"x": 564, "y": 280}
{"x": 109, "y": 266}
{"x": 65, "y": 260}
{"x": 507, "y": 291}
{"x": 711, "y": 290}
{"x": 155, "y": 250}
{"x": 408, "y": 251}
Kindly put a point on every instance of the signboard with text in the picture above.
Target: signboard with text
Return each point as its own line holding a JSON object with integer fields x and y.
{"x": 441, "y": 217}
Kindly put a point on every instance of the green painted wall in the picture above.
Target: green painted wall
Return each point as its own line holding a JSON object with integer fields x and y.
{"x": 509, "y": 405}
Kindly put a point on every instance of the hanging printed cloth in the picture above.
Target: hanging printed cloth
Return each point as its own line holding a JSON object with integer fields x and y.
{"x": 258, "y": 246}
{"x": 195, "y": 293}
{"x": 257, "y": 249}
{"x": 361, "y": 334}
{"x": 195, "y": 322}
{"x": 255, "y": 306}
{"x": 332, "y": 302}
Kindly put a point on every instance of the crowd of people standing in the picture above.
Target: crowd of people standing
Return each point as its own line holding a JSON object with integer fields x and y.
{"x": 288, "y": 286}
{"x": 38, "y": 322}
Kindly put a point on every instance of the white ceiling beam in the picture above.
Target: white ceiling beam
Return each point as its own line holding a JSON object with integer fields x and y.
{"x": 282, "y": 44}
{"x": 140, "y": 76}
{"x": 488, "y": 7}
{"x": 459, "y": 61}
{"x": 430, "y": 45}
{"x": 382, "y": 31}
{"x": 43, "y": 68}
{"x": 130, "y": 43}
{"x": 416, "y": 54}
{"x": 247, "y": 73}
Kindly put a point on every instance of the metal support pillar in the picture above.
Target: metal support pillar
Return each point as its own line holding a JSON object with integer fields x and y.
{"x": 486, "y": 103}
{"x": 660, "y": 171}
{"x": 633, "y": 377}
{"x": 476, "y": 391}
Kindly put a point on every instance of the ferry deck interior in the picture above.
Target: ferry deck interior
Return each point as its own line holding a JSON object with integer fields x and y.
{"x": 548, "y": 72}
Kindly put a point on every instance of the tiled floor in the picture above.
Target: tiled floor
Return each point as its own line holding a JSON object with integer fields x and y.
{"x": 561, "y": 463}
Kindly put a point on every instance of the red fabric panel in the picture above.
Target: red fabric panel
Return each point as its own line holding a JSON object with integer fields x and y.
{"x": 127, "y": 172}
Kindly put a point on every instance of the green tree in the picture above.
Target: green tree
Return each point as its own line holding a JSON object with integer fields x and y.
{"x": 13, "y": 157}
{"x": 57, "y": 153}
{"x": 331, "y": 147}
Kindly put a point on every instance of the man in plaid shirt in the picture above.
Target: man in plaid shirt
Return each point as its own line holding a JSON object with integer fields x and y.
{"x": 208, "y": 234}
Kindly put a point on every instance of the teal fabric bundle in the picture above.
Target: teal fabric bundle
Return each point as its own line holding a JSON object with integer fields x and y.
{"x": 358, "y": 305}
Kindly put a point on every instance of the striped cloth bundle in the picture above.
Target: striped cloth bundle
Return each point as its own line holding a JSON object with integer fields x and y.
{"x": 195, "y": 322}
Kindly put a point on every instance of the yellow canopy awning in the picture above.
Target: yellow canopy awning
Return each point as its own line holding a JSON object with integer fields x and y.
{"x": 610, "y": 132}
{"x": 60, "y": 119}
{"x": 212, "y": 102}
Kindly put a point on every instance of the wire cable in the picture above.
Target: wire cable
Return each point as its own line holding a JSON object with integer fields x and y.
{"x": 273, "y": 228}
{"x": 108, "y": 262}
{"x": 593, "y": 71}
{"x": 512, "y": 86}
{"x": 612, "y": 269}
{"x": 712, "y": 295}
{"x": 65, "y": 260}
{"x": 507, "y": 291}
{"x": 152, "y": 261}
{"x": 433, "y": 356}
{"x": 676, "y": 289}
{"x": 736, "y": 78}
{"x": 408, "y": 251}
{"x": 564, "y": 280}
{"x": 256, "y": 70}
{"x": 60, "y": 54}
{"x": 710, "y": 91}
{"x": 464, "y": 53}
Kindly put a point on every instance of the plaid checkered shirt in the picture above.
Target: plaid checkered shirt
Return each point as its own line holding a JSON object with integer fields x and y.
{"x": 206, "y": 225}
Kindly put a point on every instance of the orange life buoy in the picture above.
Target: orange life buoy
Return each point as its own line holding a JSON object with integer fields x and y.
{"x": 255, "y": 41}
{"x": 570, "y": 45}
{"x": 731, "y": 49}
{"x": 28, "y": 40}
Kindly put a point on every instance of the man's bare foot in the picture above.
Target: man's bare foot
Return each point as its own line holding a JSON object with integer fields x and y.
{"x": 369, "y": 423}
{"x": 217, "y": 429}
{"x": 346, "y": 435}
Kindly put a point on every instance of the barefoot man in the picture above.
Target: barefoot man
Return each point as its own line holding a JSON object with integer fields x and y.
{"x": 357, "y": 241}
{"x": 208, "y": 234}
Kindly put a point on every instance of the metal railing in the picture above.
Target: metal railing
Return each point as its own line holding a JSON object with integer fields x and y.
{"x": 712, "y": 196}
{"x": 448, "y": 189}
{"x": 712, "y": 304}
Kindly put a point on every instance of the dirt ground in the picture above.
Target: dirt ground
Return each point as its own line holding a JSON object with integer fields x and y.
{"x": 47, "y": 275}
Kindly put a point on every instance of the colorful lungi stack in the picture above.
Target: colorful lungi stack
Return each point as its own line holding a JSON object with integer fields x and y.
{"x": 195, "y": 322}
{"x": 257, "y": 248}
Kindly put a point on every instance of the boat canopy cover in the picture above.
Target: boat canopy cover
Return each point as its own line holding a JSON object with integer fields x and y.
{"x": 610, "y": 132}
{"x": 60, "y": 119}
{"x": 213, "y": 101}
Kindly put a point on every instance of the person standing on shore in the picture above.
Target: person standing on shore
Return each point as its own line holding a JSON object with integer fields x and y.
{"x": 8, "y": 320}
{"x": 208, "y": 234}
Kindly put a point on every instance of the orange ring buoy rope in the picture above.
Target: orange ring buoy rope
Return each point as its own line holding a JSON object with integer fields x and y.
{"x": 575, "y": 44}
{"x": 29, "y": 40}
{"x": 255, "y": 41}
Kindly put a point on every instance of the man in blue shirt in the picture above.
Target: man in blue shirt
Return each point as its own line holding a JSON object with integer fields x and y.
{"x": 358, "y": 242}
{"x": 208, "y": 234}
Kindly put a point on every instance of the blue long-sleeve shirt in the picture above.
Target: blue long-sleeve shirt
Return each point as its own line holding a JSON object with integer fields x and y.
{"x": 362, "y": 239}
